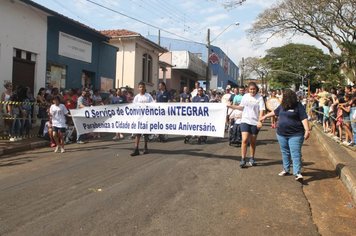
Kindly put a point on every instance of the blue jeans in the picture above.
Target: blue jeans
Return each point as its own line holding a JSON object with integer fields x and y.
{"x": 291, "y": 148}
{"x": 15, "y": 126}
{"x": 353, "y": 123}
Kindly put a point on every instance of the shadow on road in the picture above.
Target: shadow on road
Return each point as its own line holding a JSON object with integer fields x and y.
{"x": 315, "y": 174}
{"x": 14, "y": 162}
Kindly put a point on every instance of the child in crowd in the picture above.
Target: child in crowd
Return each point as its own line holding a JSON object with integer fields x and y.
{"x": 58, "y": 113}
{"x": 339, "y": 122}
{"x": 48, "y": 133}
{"x": 326, "y": 111}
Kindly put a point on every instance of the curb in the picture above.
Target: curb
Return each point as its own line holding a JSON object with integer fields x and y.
{"x": 24, "y": 147}
{"x": 345, "y": 165}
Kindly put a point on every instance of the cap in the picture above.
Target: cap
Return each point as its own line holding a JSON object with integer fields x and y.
{"x": 228, "y": 87}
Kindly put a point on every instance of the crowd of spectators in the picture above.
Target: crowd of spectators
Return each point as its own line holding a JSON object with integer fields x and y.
{"x": 334, "y": 109}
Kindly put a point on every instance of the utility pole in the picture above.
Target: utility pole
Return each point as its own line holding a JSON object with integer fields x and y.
{"x": 207, "y": 79}
{"x": 242, "y": 72}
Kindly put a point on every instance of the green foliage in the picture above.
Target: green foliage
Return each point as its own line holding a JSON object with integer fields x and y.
{"x": 293, "y": 63}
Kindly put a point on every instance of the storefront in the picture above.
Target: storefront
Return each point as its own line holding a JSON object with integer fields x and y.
{"x": 78, "y": 56}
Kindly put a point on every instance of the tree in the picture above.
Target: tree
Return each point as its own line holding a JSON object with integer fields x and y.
{"x": 293, "y": 64}
{"x": 254, "y": 69}
{"x": 331, "y": 22}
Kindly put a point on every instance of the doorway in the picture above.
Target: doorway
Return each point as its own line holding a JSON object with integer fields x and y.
{"x": 23, "y": 73}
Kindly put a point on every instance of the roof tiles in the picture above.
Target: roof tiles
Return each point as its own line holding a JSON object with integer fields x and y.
{"x": 119, "y": 33}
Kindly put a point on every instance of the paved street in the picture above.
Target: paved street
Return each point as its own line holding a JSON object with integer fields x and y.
{"x": 178, "y": 189}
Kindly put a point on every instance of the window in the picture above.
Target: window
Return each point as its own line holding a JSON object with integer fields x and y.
{"x": 147, "y": 68}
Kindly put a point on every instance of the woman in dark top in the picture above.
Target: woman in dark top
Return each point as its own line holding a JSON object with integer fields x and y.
{"x": 293, "y": 129}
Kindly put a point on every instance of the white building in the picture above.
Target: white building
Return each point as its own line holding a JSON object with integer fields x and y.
{"x": 23, "y": 44}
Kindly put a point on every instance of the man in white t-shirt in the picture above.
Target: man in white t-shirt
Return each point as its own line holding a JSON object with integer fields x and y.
{"x": 226, "y": 100}
{"x": 195, "y": 91}
{"x": 141, "y": 97}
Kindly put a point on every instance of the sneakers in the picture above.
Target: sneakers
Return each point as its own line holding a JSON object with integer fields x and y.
{"x": 63, "y": 151}
{"x": 252, "y": 162}
{"x": 298, "y": 177}
{"x": 56, "y": 149}
{"x": 347, "y": 143}
{"x": 121, "y": 136}
{"x": 12, "y": 139}
{"x": 283, "y": 173}
{"x": 80, "y": 142}
{"x": 242, "y": 163}
{"x": 135, "y": 153}
{"x": 115, "y": 137}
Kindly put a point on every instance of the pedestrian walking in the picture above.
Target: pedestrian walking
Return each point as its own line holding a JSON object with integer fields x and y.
{"x": 252, "y": 106}
{"x": 293, "y": 129}
{"x": 141, "y": 97}
{"x": 58, "y": 113}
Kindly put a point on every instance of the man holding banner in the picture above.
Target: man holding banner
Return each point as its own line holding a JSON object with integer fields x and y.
{"x": 141, "y": 97}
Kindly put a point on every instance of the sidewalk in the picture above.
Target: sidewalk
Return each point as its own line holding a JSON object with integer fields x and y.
{"x": 342, "y": 157}
{"x": 31, "y": 142}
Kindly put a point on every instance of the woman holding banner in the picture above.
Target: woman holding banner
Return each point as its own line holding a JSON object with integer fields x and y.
{"x": 252, "y": 106}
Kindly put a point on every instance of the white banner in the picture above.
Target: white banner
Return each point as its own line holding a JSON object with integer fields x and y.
{"x": 204, "y": 119}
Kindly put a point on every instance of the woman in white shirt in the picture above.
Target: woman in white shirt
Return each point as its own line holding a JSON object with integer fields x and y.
{"x": 252, "y": 106}
{"x": 58, "y": 113}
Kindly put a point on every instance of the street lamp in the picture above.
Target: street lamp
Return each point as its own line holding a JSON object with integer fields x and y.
{"x": 236, "y": 23}
{"x": 207, "y": 83}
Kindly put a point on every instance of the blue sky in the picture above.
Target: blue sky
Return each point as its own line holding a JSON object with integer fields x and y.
{"x": 188, "y": 19}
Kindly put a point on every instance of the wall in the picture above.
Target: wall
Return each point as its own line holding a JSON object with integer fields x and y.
{"x": 103, "y": 60}
{"x": 141, "y": 49}
{"x": 219, "y": 75}
{"x": 125, "y": 63}
{"x": 25, "y": 28}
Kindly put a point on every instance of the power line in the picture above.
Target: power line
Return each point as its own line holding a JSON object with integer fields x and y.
{"x": 141, "y": 21}
{"x": 67, "y": 9}
{"x": 159, "y": 11}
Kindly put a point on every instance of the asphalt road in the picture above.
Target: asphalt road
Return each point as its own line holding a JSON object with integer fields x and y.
{"x": 177, "y": 189}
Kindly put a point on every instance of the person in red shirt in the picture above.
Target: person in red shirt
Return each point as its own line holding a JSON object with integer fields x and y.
{"x": 70, "y": 99}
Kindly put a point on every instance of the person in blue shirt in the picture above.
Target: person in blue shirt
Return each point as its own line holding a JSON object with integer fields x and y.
{"x": 293, "y": 129}
{"x": 200, "y": 97}
{"x": 185, "y": 96}
{"x": 163, "y": 95}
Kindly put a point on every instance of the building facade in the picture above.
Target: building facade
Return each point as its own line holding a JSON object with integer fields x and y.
{"x": 23, "y": 44}
{"x": 182, "y": 68}
{"x": 40, "y": 47}
{"x": 138, "y": 59}
{"x": 222, "y": 70}
{"x": 79, "y": 57}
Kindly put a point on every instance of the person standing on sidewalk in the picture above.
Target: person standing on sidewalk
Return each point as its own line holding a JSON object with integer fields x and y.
{"x": 293, "y": 129}
{"x": 83, "y": 101}
{"x": 141, "y": 97}
{"x": 252, "y": 106}
{"x": 58, "y": 113}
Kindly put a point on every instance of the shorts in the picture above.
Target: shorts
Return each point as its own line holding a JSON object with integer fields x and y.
{"x": 326, "y": 119}
{"x": 346, "y": 119}
{"x": 251, "y": 129}
{"x": 56, "y": 129}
